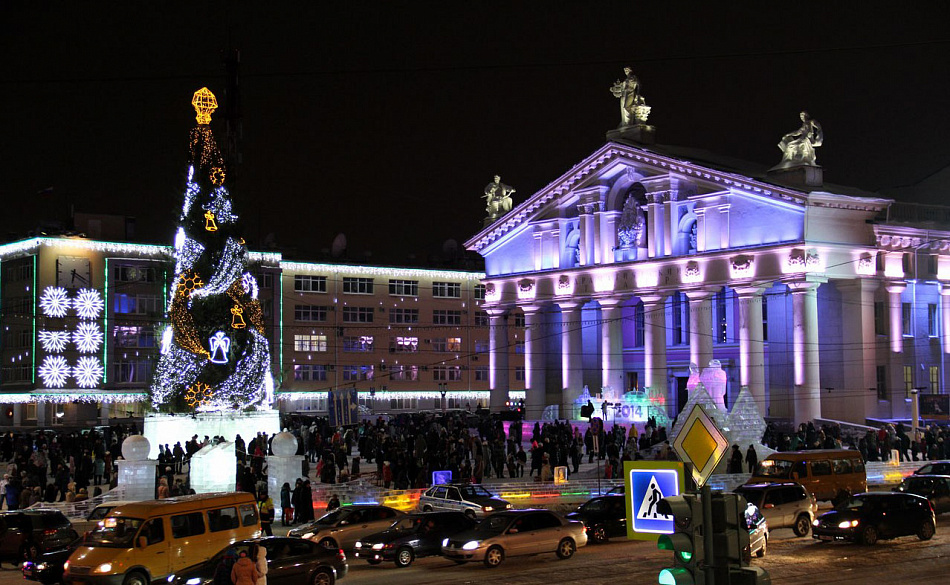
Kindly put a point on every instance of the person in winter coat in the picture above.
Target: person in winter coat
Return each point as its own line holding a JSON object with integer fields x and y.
{"x": 222, "y": 573}
{"x": 751, "y": 458}
{"x": 306, "y": 502}
{"x": 244, "y": 571}
{"x": 288, "y": 512}
{"x": 735, "y": 461}
{"x": 259, "y": 556}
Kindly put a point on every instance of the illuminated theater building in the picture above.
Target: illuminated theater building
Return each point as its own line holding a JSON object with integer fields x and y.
{"x": 641, "y": 260}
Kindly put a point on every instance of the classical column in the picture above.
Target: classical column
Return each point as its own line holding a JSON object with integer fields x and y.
{"x": 700, "y": 327}
{"x": 572, "y": 353}
{"x": 654, "y": 342}
{"x": 751, "y": 346}
{"x": 859, "y": 352}
{"x": 498, "y": 359}
{"x": 611, "y": 334}
{"x": 894, "y": 290}
{"x": 533, "y": 363}
{"x": 806, "y": 399}
{"x": 945, "y": 317}
{"x": 586, "y": 242}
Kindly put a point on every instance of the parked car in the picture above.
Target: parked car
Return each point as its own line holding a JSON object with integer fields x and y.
{"x": 604, "y": 517}
{"x": 868, "y": 517}
{"x": 289, "y": 561}
{"x": 417, "y": 535}
{"x": 473, "y": 500}
{"x": 342, "y": 527}
{"x": 935, "y": 488}
{"x": 515, "y": 533}
{"x": 758, "y": 528}
{"x": 47, "y": 568}
{"x": 934, "y": 468}
{"x": 25, "y": 534}
{"x": 785, "y": 504}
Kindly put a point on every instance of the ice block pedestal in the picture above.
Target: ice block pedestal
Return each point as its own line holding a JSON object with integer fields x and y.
{"x": 136, "y": 470}
{"x": 284, "y": 466}
{"x": 214, "y": 469}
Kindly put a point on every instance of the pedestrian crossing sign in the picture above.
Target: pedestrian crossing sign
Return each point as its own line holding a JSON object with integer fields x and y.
{"x": 645, "y": 484}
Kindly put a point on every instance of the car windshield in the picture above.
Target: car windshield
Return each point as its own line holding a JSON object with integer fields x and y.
{"x": 407, "y": 523}
{"x": 474, "y": 491}
{"x": 333, "y": 517}
{"x": 918, "y": 484}
{"x": 854, "y": 503}
{"x": 493, "y": 524}
{"x": 774, "y": 468}
{"x": 114, "y": 532}
{"x": 751, "y": 495}
{"x": 50, "y": 521}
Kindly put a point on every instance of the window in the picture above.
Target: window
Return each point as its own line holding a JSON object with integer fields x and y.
{"x": 481, "y": 373}
{"x": 127, "y": 273}
{"x": 404, "y": 373}
{"x": 310, "y": 313}
{"x": 21, "y": 271}
{"x": 443, "y": 317}
{"x": 137, "y": 304}
{"x": 153, "y": 531}
{"x": 765, "y": 317}
{"x": 519, "y": 347}
{"x": 880, "y": 318}
{"x": 248, "y": 514}
{"x": 310, "y": 373}
{"x": 358, "y": 314}
{"x": 907, "y": 325}
{"x": 357, "y": 373}
{"x": 934, "y": 379}
{"x": 482, "y": 319}
{"x": 482, "y": 346}
{"x": 638, "y": 324}
{"x": 908, "y": 380}
{"x": 447, "y": 344}
{"x": 439, "y": 345}
{"x": 358, "y": 286}
{"x": 404, "y": 287}
{"x": 841, "y": 466}
{"x": 131, "y": 371}
{"x": 267, "y": 280}
{"x": 307, "y": 283}
{"x": 932, "y": 327}
{"x": 820, "y": 468}
{"x": 447, "y": 290}
{"x": 130, "y": 336}
{"x": 479, "y": 292}
{"x": 881, "y": 376}
{"x": 310, "y": 342}
{"x": 19, "y": 372}
{"x": 358, "y": 343}
{"x": 405, "y": 345}
{"x": 519, "y": 374}
{"x": 447, "y": 373}
{"x": 722, "y": 325}
{"x": 676, "y": 304}
{"x": 185, "y": 525}
{"x": 519, "y": 320}
{"x": 404, "y": 316}
{"x": 223, "y": 519}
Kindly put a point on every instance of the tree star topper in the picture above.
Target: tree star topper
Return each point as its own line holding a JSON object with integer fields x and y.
{"x": 204, "y": 103}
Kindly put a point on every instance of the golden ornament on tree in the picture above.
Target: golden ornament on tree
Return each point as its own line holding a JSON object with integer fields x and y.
{"x": 204, "y": 103}
{"x": 210, "y": 224}
{"x": 217, "y": 176}
{"x": 237, "y": 321}
{"x": 198, "y": 395}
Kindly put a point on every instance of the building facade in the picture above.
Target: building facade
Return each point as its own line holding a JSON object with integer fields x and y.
{"x": 639, "y": 262}
{"x": 83, "y": 322}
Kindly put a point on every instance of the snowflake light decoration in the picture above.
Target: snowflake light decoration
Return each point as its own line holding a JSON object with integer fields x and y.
{"x": 188, "y": 282}
{"x": 54, "y": 301}
{"x": 88, "y": 303}
{"x": 198, "y": 395}
{"x": 88, "y": 337}
{"x": 88, "y": 372}
{"x": 54, "y": 371}
{"x": 53, "y": 341}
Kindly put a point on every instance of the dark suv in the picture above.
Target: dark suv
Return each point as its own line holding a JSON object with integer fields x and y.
{"x": 25, "y": 534}
{"x": 934, "y": 468}
{"x": 603, "y": 517}
{"x": 868, "y": 517}
{"x": 784, "y": 504}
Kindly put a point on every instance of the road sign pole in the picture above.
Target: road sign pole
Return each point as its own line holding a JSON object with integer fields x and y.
{"x": 708, "y": 548}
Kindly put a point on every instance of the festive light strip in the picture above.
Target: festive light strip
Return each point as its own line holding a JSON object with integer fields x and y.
{"x": 177, "y": 367}
{"x": 16, "y": 248}
{"x": 67, "y": 397}
{"x": 288, "y": 394}
{"x": 306, "y": 267}
{"x": 229, "y": 269}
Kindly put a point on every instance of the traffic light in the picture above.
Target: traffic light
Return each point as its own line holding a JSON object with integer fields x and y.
{"x": 686, "y": 542}
{"x": 731, "y": 544}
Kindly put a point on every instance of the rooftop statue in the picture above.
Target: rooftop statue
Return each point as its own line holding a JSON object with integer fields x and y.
{"x": 633, "y": 108}
{"x": 798, "y": 147}
{"x": 499, "y": 198}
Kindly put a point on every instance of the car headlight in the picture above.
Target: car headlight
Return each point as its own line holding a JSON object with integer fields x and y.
{"x": 170, "y": 578}
{"x": 103, "y": 568}
{"x": 507, "y": 506}
{"x": 814, "y": 522}
{"x": 487, "y": 508}
{"x": 470, "y": 545}
{"x": 307, "y": 535}
{"x": 848, "y": 524}
{"x": 193, "y": 581}
{"x": 445, "y": 542}
{"x": 66, "y": 566}
{"x": 358, "y": 544}
{"x": 41, "y": 567}
{"x": 378, "y": 546}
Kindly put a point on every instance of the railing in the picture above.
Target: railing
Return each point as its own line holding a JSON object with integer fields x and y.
{"x": 81, "y": 509}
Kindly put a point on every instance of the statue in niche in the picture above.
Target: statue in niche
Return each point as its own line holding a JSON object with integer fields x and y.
{"x": 499, "y": 198}
{"x": 693, "y": 238}
{"x": 798, "y": 147}
{"x": 633, "y": 108}
{"x": 632, "y": 228}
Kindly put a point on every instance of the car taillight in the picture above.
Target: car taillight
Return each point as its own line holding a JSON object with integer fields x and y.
{"x": 340, "y": 554}
{"x": 50, "y": 532}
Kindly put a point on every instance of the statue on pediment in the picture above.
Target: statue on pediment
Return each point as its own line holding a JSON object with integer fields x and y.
{"x": 632, "y": 228}
{"x": 798, "y": 147}
{"x": 499, "y": 198}
{"x": 633, "y": 107}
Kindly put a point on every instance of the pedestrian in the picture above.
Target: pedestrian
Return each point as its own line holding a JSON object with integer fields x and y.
{"x": 295, "y": 500}
{"x": 287, "y": 512}
{"x": 735, "y": 461}
{"x": 751, "y": 458}
{"x": 260, "y": 559}
{"x": 306, "y": 502}
{"x": 244, "y": 571}
{"x": 222, "y": 572}
{"x": 163, "y": 488}
{"x": 334, "y": 503}
{"x": 265, "y": 507}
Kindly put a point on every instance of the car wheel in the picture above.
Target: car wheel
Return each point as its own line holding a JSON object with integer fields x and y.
{"x": 470, "y": 514}
{"x": 427, "y": 508}
{"x": 598, "y": 533}
{"x": 761, "y": 552}
{"x": 135, "y": 578}
{"x": 566, "y": 548}
{"x": 926, "y": 531}
{"x": 373, "y": 561}
{"x": 494, "y": 557}
{"x": 404, "y": 557}
{"x": 328, "y": 543}
{"x": 869, "y": 535}
{"x": 802, "y": 525}
{"x": 322, "y": 577}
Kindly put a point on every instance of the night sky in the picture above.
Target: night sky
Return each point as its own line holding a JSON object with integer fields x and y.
{"x": 385, "y": 120}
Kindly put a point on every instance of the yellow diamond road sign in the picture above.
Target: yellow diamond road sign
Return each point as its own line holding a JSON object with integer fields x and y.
{"x": 701, "y": 444}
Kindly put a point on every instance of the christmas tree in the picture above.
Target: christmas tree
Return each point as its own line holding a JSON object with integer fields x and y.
{"x": 214, "y": 354}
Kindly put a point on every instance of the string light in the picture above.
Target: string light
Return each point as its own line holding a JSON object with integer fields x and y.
{"x": 59, "y": 397}
{"x": 229, "y": 269}
{"x": 54, "y": 371}
{"x": 53, "y": 341}
{"x": 198, "y": 394}
{"x": 88, "y": 372}
{"x": 88, "y": 303}
{"x": 249, "y": 283}
{"x": 87, "y": 337}
{"x": 54, "y": 301}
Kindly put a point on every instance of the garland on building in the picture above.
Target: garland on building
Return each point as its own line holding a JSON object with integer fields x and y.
{"x": 214, "y": 355}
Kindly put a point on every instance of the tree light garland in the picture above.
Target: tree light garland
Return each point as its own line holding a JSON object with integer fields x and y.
{"x": 54, "y": 301}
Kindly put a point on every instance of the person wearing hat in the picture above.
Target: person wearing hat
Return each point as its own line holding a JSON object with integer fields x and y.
{"x": 266, "y": 508}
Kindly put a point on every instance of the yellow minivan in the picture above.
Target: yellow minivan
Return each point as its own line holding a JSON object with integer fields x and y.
{"x": 144, "y": 542}
{"x": 829, "y": 474}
